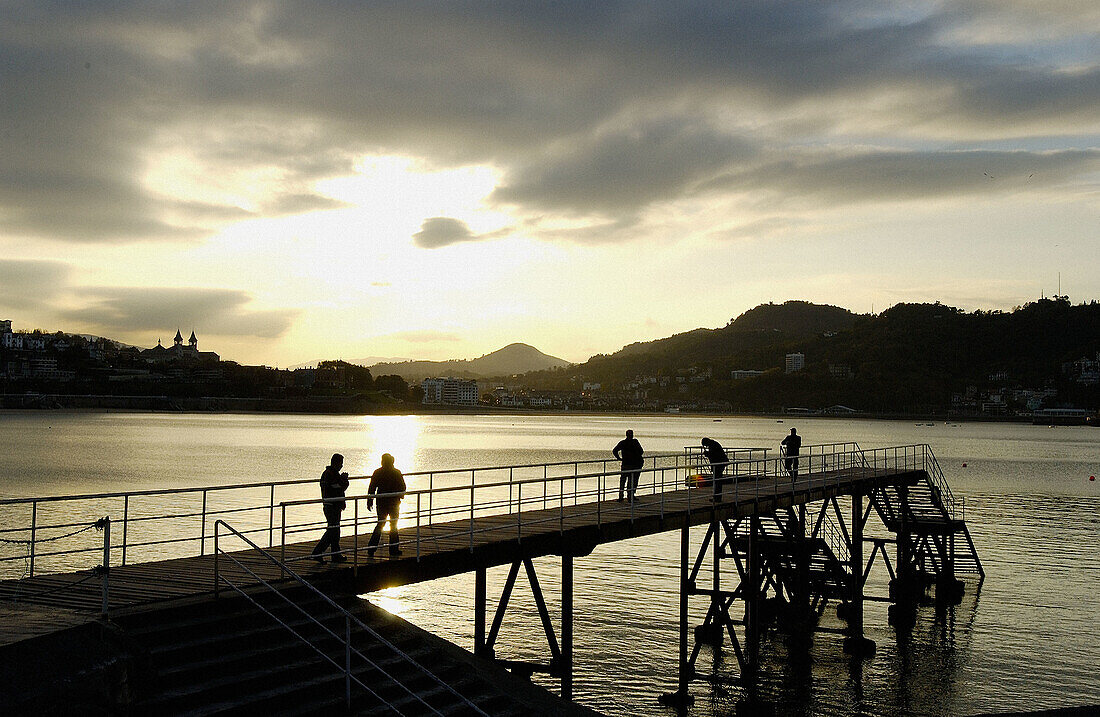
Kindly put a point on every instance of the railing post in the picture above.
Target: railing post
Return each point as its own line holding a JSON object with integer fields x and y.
{"x": 418, "y": 495}
{"x": 106, "y": 563}
{"x": 34, "y": 528}
{"x": 355, "y": 539}
{"x": 202, "y": 540}
{"x": 125, "y": 523}
{"x": 471, "y": 511}
{"x": 217, "y": 577}
{"x": 282, "y": 542}
{"x": 271, "y": 519}
{"x": 519, "y": 516}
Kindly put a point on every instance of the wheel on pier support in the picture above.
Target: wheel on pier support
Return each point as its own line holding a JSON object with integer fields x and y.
{"x": 902, "y": 616}
{"x": 949, "y": 590}
{"x": 677, "y": 700}
{"x": 710, "y": 634}
{"x": 859, "y": 646}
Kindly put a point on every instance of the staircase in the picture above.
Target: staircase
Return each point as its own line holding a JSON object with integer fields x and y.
{"x": 229, "y": 658}
{"x": 780, "y": 546}
{"x": 932, "y": 519}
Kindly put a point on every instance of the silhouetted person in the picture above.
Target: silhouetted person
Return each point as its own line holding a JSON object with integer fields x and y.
{"x": 714, "y": 452}
{"x": 790, "y": 446}
{"x": 333, "y": 485}
{"x": 629, "y": 451}
{"x": 385, "y": 480}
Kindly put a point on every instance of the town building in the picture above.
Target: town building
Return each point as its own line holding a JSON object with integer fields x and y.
{"x": 450, "y": 391}
{"x": 795, "y": 362}
{"x": 160, "y": 354}
{"x": 740, "y": 374}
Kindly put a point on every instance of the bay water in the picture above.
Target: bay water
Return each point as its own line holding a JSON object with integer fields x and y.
{"x": 1026, "y": 640}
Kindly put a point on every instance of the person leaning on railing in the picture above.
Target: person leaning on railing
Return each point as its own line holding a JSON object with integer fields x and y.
{"x": 333, "y": 485}
{"x": 388, "y": 485}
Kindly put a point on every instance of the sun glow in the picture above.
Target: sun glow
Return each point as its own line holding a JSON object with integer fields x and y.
{"x": 396, "y": 435}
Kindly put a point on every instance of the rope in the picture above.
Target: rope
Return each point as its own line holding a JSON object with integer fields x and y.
{"x": 99, "y": 569}
{"x": 99, "y": 525}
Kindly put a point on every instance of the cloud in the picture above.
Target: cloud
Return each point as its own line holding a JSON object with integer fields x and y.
{"x": 890, "y": 175}
{"x": 438, "y": 232}
{"x": 166, "y": 121}
{"x": 25, "y": 284}
{"x": 224, "y": 312}
{"x": 624, "y": 169}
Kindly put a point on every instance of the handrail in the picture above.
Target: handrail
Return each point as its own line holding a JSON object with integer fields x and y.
{"x": 349, "y": 619}
{"x": 299, "y": 481}
{"x": 514, "y": 493}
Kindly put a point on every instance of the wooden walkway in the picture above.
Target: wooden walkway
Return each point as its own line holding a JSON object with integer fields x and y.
{"x": 443, "y": 549}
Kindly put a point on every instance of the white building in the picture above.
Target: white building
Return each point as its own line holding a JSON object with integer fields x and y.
{"x": 795, "y": 362}
{"x": 741, "y": 374}
{"x": 452, "y": 391}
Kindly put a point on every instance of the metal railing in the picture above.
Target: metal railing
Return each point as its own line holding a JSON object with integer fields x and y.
{"x": 176, "y": 522}
{"x": 103, "y": 570}
{"x": 151, "y": 531}
{"x": 955, "y": 508}
{"x": 350, "y": 624}
{"x": 539, "y": 505}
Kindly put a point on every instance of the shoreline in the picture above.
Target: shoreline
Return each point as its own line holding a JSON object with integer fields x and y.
{"x": 337, "y": 407}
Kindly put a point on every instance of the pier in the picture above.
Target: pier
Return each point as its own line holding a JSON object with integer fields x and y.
{"x": 776, "y": 552}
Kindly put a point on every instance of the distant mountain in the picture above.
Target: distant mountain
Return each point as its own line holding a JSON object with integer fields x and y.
{"x": 510, "y": 360}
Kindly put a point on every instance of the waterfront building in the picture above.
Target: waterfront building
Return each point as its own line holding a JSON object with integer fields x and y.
{"x": 795, "y": 362}
{"x": 450, "y": 391}
{"x": 160, "y": 353}
{"x": 741, "y": 374}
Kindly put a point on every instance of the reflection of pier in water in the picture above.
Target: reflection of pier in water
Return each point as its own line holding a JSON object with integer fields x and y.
{"x": 776, "y": 551}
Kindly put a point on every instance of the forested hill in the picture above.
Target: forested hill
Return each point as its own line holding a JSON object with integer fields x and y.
{"x": 764, "y": 325}
{"x": 910, "y": 356}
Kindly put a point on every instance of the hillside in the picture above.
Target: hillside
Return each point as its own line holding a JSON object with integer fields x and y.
{"x": 911, "y": 357}
{"x": 512, "y": 359}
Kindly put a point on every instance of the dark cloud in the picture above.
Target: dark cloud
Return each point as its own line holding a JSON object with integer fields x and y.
{"x": 437, "y": 232}
{"x": 885, "y": 175}
{"x": 586, "y": 108}
{"x": 26, "y": 284}
{"x": 125, "y": 310}
{"x": 623, "y": 170}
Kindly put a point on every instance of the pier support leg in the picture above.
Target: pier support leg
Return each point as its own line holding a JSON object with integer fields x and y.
{"x": 752, "y": 597}
{"x": 804, "y": 619}
{"x": 855, "y": 643}
{"x": 680, "y": 698}
{"x": 717, "y": 631}
{"x": 567, "y": 627}
{"x": 479, "y": 612}
{"x": 904, "y": 588}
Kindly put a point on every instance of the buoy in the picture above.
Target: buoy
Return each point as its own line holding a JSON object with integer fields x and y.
{"x": 1092, "y": 477}
{"x": 964, "y": 465}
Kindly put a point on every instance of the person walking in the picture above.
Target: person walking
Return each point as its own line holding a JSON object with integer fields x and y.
{"x": 333, "y": 485}
{"x": 388, "y": 486}
{"x": 790, "y": 447}
{"x": 714, "y": 453}
{"x": 629, "y": 452}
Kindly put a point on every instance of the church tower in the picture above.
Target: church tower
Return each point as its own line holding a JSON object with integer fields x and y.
{"x": 193, "y": 342}
{"x": 178, "y": 341}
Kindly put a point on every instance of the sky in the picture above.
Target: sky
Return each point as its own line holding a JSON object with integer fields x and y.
{"x": 436, "y": 180}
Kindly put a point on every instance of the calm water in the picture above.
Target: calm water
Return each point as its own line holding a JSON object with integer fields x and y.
{"x": 1027, "y": 641}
